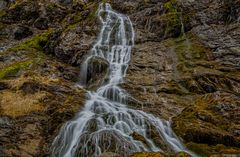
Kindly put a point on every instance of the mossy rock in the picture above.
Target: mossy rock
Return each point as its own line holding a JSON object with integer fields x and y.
{"x": 170, "y": 6}
{"x": 35, "y": 43}
{"x": 193, "y": 58}
{"x": 13, "y": 70}
{"x": 182, "y": 154}
{"x": 203, "y": 127}
{"x": 141, "y": 138}
{"x": 2, "y": 13}
{"x": 148, "y": 154}
{"x": 172, "y": 22}
{"x": 201, "y": 149}
{"x": 205, "y": 150}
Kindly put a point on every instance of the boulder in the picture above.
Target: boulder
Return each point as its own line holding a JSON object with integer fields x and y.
{"x": 96, "y": 72}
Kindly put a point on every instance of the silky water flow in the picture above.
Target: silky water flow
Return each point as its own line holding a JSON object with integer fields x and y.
{"x": 106, "y": 124}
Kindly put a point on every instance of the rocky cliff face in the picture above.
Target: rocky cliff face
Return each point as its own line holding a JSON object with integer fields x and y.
{"x": 185, "y": 67}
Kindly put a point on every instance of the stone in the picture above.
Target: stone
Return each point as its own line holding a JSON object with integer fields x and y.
{"x": 109, "y": 154}
{"x": 182, "y": 154}
{"x": 148, "y": 154}
{"x": 30, "y": 87}
{"x": 3, "y": 86}
{"x": 22, "y": 32}
{"x": 70, "y": 46}
{"x": 3, "y": 4}
{"x": 97, "y": 71}
{"x": 27, "y": 12}
{"x": 41, "y": 23}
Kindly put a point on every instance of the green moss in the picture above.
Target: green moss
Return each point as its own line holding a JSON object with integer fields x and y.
{"x": 21, "y": 3}
{"x": 170, "y": 6}
{"x": 70, "y": 27}
{"x": 14, "y": 69}
{"x": 52, "y": 6}
{"x": 2, "y": 26}
{"x": 93, "y": 14}
{"x": 2, "y": 13}
{"x": 182, "y": 154}
{"x": 173, "y": 18}
{"x": 200, "y": 149}
{"x": 192, "y": 56}
{"x": 33, "y": 43}
{"x": 15, "y": 4}
{"x": 148, "y": 154}
{"x": 77, "y": 17}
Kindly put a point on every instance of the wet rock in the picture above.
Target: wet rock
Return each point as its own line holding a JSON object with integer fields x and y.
{"x": 22, "y": 32}
{"x": 139, "y": 137}
{"x": 97, "y": 71}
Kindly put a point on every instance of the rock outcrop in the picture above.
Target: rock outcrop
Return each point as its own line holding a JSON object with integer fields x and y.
{"x": 185, "y": 67}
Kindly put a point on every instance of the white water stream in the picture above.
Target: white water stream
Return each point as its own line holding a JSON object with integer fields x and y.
{"x": 106, "y": 124}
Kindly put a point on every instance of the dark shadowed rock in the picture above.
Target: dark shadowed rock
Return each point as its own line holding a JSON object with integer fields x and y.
{"x": 22, "y": 32}
{"x": 97, "y": 71}
{"x": 3, "y": 86}
{"x": 30, "y": 87}
{"x": 65, "y": 2}
{"x": 27, "y": 12}
{"x": 70, "y": 46}
{"x": 41, "y": 23}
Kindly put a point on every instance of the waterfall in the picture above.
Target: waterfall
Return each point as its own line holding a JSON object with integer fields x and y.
{"x": 106, "y": 124}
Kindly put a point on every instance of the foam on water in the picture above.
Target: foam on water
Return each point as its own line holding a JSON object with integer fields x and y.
{"x": 106, "y": 124}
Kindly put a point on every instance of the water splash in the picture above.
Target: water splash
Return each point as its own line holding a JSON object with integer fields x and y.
{"x": 106, "y": 124}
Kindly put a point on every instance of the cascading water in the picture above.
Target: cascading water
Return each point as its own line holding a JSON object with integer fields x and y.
{"x": 106, "y": 124}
